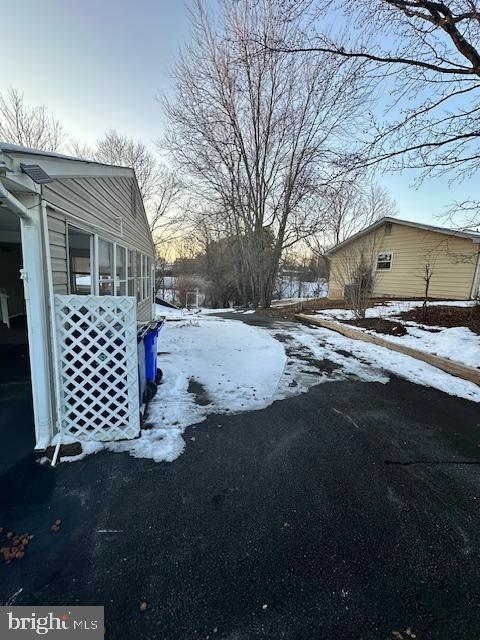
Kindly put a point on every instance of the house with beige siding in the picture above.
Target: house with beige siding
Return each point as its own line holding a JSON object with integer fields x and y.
{"x": 76, "y": 273}
{"x": 395, "y": 256}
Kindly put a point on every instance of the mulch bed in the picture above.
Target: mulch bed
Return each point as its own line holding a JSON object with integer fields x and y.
{"x": 446, "y": 317}
{"x": 380, "y": 325}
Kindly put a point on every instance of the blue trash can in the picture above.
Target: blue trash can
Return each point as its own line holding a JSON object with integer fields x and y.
{"x": 151, "y": 340}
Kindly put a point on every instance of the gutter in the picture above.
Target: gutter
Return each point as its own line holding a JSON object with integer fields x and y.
{"x": 15, "y": 205}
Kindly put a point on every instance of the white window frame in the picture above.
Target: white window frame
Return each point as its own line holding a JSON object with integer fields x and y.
{"x": 145, "y": 269}
{"x": 142, "y": 283}
{"x": 133, "y": 276}
{"x": 139, "y": 276}
{"x": 384, "y": 253}
{"x": 92, "y": 257}
{"x": 150, "y": 279}
{"x": 117, "y": 281}
{"x": 110, "y": 280}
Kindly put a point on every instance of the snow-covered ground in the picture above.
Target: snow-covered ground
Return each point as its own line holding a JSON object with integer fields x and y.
{"x": 286, "y": 302}
{"x": 301, "y": 290}
{"x": 457, "y": 343}
{"x": 214, "y": 365}
{"x": 210, "y": 365}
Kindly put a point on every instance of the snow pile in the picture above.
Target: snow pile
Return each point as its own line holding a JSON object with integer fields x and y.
{"x": 210, "y": 365}
{"x": 459, "y": 344}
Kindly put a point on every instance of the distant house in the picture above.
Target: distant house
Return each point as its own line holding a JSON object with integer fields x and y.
{"x": 76, "y": 265}
{"x": 396, "y": 255}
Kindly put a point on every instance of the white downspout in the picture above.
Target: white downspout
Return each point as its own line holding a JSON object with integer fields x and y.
{"x": 32, "y": 275}
{"x": 53, "y": 333}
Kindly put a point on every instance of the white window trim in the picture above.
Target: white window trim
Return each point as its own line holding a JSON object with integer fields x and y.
{"x": 111, "y": 279}
{"x": 389, "y": 253}
{"x": 116, "y": 280}
{"x": 145, "y": 291}
{"x": 133, "y": 277}
{"x": 145, "y": 260}
{"x": 92, "y": 256}
{"x": 96, "y": 270}
{"x": 139, "y": 276}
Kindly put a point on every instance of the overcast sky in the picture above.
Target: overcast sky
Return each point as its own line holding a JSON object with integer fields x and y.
{"x": 99, "y": 64}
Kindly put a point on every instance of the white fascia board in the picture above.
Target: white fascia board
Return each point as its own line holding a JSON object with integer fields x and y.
{"x": 63, "y": 167}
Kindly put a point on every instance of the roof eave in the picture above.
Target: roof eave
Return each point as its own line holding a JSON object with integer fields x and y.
{"x": 407, "y": 223}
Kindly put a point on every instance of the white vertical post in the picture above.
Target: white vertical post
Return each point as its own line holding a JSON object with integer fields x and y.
{"x": 114, "y": 267}
{"x": 94, "y": 262}
{"x": 36, "y": 296}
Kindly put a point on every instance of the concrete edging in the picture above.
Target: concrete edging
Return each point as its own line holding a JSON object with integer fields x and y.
{"x": 449, "y": 366}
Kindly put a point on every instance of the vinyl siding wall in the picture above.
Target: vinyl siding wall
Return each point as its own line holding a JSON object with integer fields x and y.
{"x": 98, "y": 205}
{"x": 57, "y": 229}
{"x": 453, "y": 260}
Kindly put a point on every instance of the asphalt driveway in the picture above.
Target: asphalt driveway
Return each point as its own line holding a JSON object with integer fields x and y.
{"x": 350, "y": 511}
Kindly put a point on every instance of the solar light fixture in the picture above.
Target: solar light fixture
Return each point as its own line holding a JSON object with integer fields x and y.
{"x": 36, "y": 173}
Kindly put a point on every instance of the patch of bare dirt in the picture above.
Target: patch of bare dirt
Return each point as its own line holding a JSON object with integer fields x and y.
{"x": 380, "y": 325}
{"x": 446, "y": 317}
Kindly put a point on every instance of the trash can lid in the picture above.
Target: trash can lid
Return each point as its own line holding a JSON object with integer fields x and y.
{"x": 156, "y": 325}
{"x": 141, "y": 331}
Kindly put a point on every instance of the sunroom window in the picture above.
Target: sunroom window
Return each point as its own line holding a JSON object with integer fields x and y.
{"x": 131, "y": 273}
{"x": 121, "y": 271}
{"x": 105, "y": 267}
{"x": 80, "y": 261}
{"x": 146, "y": 271}
{"x": 139, "y": 276}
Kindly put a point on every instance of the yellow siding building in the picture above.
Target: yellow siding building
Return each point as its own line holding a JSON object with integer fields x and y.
{"x": 399, "y": 253}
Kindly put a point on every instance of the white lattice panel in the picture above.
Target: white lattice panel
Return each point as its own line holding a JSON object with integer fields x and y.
{"x": 97, "y": 343}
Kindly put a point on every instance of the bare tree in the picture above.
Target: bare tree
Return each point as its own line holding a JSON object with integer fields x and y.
{"x": 428, "y": 268}
{"x": 348, "y": 207}
{"x": 160, "y": 187}
{"x": 426, "y": 53}
{"x": 257, "y": 133}
{"x": 121, "y": 150}
{"x": 28, "y": 126}
{"x": 353, "y": 271}
{"x": 167, "y": 213}
{"x": 81, "y": 149}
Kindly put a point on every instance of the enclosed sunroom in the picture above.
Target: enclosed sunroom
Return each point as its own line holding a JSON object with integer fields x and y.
{"x": 76, "y": 280}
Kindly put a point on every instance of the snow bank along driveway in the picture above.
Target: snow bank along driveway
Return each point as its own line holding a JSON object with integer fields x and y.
{"x": 457, "y": 343}
{"x": 216, "y": 365}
